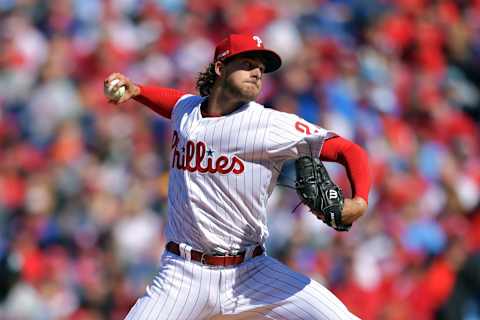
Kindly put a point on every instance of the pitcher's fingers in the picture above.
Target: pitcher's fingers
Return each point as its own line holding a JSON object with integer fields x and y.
{"x": 124, "y": 98}
{"x": 116, "y": 76}
{"x": 111, "y": 77}
{"x": 116, "y": 84}
{"x": 121, "y": 77}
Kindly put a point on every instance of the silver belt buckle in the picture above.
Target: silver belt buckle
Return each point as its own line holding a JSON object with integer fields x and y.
{"x": 203, "y": 258}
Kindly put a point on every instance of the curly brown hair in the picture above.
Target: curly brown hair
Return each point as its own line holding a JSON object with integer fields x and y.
{"x": 206, "y": 80}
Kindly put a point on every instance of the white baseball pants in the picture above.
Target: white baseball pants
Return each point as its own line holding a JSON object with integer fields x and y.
{"x": 260, "y": 288}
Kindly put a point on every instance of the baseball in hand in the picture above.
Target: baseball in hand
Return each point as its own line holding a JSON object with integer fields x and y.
{"x": 112, "y": 93}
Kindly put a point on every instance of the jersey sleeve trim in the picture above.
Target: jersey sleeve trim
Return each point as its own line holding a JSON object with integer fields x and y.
{"x": 161, "y": 100}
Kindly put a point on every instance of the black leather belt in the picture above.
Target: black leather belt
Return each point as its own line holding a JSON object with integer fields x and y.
{"x": 214, "y": 260}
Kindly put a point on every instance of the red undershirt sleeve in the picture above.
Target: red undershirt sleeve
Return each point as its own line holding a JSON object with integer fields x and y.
{"x": 355, "y": 160}
{"x": 160, "y": 100}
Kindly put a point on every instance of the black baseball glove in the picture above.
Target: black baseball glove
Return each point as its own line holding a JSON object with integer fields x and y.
{"x": 319, "y": 192}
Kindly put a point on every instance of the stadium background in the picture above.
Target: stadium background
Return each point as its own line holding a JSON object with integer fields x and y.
{"x": 83, "y": 183}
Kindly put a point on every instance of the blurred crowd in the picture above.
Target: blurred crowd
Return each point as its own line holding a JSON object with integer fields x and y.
{"x": 83, "y": 183}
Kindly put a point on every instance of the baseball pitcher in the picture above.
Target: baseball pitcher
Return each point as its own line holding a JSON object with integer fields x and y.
{"x": 225, "y": 153}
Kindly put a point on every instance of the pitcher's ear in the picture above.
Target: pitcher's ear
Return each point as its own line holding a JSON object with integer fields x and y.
{"x": 219, "y": 66}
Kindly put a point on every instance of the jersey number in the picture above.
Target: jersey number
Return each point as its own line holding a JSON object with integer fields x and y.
{"x": 304, "y": 128}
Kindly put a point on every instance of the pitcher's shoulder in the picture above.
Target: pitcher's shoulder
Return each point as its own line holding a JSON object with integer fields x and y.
{"x": 269, "y": 112}
{"x": 259, "y": 108}
{"x": 189, "y": 100}
{"x": 187, "y": 103}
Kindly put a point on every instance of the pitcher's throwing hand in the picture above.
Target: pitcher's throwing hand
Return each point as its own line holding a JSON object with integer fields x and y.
{"x": 118, "y": 88}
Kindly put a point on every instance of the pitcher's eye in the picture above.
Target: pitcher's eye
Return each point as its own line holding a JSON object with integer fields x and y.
{"x": 249, "y": 65}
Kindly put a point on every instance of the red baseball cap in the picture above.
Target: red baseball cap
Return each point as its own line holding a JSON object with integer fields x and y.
{"x": 235, "y": 44}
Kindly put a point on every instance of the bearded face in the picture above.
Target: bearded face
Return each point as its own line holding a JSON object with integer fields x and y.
{"x": 242, "y": 78}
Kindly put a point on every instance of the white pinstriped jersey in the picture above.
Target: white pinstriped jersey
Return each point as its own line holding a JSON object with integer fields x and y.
{"x": 223, "y": 170}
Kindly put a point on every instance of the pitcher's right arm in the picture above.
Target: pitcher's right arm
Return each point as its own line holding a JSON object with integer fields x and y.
{"x": 160, "y": 100}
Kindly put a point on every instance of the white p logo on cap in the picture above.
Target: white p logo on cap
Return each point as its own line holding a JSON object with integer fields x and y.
{"x": 258, "y": 40}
